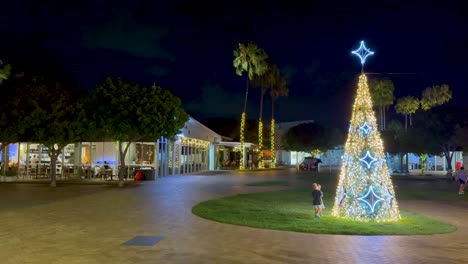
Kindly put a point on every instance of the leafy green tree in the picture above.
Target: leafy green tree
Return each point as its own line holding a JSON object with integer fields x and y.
{"x": 4, "y": 71}
{"x": 126, "y": 112}
{"x": 382, "y": 96}
{"x": 252, "y": 60}
{"x": 435, "y": 132}
{"x": 309, "y": 137}
{"x": 9, "y": 126}
{"x": 461, "y": 136}
{"x": 407, "y": 106}
{"x": 51, "y": 116}
{"x": 435, "y": 96}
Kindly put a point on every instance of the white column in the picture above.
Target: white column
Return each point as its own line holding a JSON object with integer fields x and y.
{"x": 156, "y": 161}
{"x": 166, "y": 167}
{"x": 173, "y": 158}
{"x": 445, "y": 163}
{"x": 211, "y": 157}
{"x": 189, "y": 158}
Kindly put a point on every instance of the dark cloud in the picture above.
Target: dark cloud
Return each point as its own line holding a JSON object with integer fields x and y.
{"x": 218, "y": 102}
{"x": 157, "y": 71}
{"x": 121, "y": 32}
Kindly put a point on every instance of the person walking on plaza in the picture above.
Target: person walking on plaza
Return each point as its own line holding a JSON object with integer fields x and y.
{"x": 461, "y": 175}
{"x": 317, "y": 196}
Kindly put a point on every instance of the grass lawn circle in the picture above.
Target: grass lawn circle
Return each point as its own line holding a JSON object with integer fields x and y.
{"x": 292, "y": 210}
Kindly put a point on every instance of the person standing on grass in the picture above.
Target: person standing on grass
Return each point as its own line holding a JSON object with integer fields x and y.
{"x": 317, "y": 196}
{"x": 461, "y": 175}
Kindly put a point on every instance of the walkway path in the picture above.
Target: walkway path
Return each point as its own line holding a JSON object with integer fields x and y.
{"x": 88, "y": 224}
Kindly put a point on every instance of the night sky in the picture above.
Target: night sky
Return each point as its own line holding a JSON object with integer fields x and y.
{"x": 187, "y": 47}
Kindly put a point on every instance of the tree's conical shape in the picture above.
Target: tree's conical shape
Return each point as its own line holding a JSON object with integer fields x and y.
{"x": 365, "y": 191}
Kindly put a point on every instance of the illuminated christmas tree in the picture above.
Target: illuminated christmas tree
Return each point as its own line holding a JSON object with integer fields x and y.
{"x": 365, "y": 191}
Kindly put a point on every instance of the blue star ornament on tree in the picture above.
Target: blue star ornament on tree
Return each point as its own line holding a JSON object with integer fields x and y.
{"x": 371, "y": 199}
{"x": 365, "y": 129}
{"x": 362, "y": 52}
{"x": 368, "y": 160}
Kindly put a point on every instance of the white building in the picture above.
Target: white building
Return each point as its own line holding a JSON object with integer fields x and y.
{"x": 195, "y": 149}
{"x": 284, "y": 157}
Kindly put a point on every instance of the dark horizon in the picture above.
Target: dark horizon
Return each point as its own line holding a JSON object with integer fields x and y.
{"x": 187, "y": 47}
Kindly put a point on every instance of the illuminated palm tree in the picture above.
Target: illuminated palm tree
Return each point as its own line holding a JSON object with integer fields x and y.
{"x": 382, "y": 96}
{"x": 279, "y": 88}
{"x": 407, "y": 106}
{"x": 264, "y": 82}
{"x": 252, "y": 60}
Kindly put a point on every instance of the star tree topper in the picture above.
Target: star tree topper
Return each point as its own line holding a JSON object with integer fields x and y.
{"x": 362, "y": 52}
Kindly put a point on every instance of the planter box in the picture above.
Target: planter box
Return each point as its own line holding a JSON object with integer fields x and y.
{"x": 10, "y": 178}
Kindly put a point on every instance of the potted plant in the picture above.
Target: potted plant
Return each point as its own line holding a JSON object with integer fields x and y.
{"x": 11, "y": 175}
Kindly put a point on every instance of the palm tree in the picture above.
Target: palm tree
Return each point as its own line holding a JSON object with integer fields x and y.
{"x": 407, "y": 106}
{"x": 382, "y": 96}
{"x": 4, "y": 74}
{"x": 264, "y": 82}
{"x": 435, "y": 96}
{"x": 251, "y": 59}
{"x": 4, "y": 71}
{"x": 280, "y": 88}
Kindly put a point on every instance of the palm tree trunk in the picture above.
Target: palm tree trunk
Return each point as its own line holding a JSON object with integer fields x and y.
{"x": 260, "y": 132}
{"x": 401, "y": 162}
{"x": 381, "y": 117}
{"x": 406, "y": 129}
{"x": 272, "y": 134}
{"x": 385, "y": 118}
{"x": 244, "y": 109}
{"x": 242, "y": 126}
{"x": 261, "y": 104}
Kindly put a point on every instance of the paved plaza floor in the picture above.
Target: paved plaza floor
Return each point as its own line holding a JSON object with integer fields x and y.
{"x": 90, "y": 223}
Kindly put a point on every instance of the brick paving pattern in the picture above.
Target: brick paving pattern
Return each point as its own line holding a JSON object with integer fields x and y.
{"x": 89, "y": 224}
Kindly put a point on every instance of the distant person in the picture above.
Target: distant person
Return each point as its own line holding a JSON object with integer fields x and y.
{"x": 317, "y": 196}
{"x": 106, "y": 165}
{"x": 461, "y": 175}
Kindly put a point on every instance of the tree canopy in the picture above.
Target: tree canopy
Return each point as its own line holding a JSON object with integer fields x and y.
{"x": 4, "y": 71}
{"x": 435, "y": 96}
{"x": 126, "y": 112}
{"x": 251, "y": 59}
{"x": 309, "y": 137}
{"x": 435, "y": 132}
{"x": 407, "y": 106}
{"x": 382, "y": 96}
{"x": 50, "y": 115}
